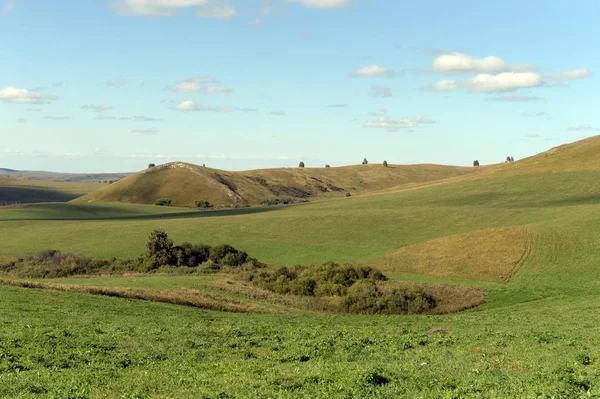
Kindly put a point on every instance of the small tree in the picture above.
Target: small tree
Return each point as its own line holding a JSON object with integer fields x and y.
{"x": 159, "y": 249}
{"x": 512, "y": 159}
{"x": 385, "y": 164}
{"x": 365, "y": 162}
{"x": 301, "y": 165}
{"x": 348, "y": 195}
{"x": 476, "y": 163}
{"x": 327, "y": 166}
{"x": 151, "y": 165}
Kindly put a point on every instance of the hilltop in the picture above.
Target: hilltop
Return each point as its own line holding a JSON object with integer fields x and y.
{"x": 185, "y": 183}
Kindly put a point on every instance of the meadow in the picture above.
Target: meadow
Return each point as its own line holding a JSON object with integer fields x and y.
{"x": 526, "y": 234}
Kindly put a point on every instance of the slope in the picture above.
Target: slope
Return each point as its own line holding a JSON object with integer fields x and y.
{"x": 185, "y": 183}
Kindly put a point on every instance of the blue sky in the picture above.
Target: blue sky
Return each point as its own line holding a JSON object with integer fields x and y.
{"x": 100, "y": 86}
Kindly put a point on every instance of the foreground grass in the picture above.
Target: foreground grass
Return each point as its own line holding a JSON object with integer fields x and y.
{"x": 63, "y": 344}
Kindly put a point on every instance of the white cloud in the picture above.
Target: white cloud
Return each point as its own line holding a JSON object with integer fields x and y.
{"x": 200, "y": 85}
{"x": 515, "y": 99}
{"x": 97, "y": 108}
{"x": 380, "y": 91}
{"x": 322, "y": 4}
{"x": 14, "y": 95}
{"x": 216, "y": 11}
{"x": 443, "y": 85}
{"x": 503, "y": 82}
{"x": 153, "y": 8}
{"x": 463, "y": 63}
{"x": 189, "y": 105}
{"x": 371, "y": 71}
{"x": 584, "y": 127}
{"x": 579, "y": 73}
{"x": 393, "y": 125}
{"x": 57, "y": 118}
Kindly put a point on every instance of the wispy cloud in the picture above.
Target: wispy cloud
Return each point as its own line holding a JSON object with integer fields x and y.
{"x": 191, "y": 106}
{"x": 575, "y": 74}
{"x": 146, "y": 132}
{"x": 276, "y": 113}
{"x": 380, "y": 91}
{"x": 514, "y": 99}
{"x": 393, "y": 125}
{"x": 337, "y": 105}
{"x": 371, "y": 71}
{"x": 216, "y": 11}
{"x": 584, "y": 128}
{"x": 200, "y": 85}
{"x": 153, "y": 8}
{"x": 322, "y": 4}
{"x": 97, "y": 108}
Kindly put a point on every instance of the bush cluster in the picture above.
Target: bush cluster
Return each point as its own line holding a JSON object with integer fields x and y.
{"x": 326, "y": 280}
{"x": 371, "y": 298}
{"x": 203, "y": 204}
{"x": 283, "y": 201}
{"x": 164, "y": 202}
{"x": 160, "y": 255}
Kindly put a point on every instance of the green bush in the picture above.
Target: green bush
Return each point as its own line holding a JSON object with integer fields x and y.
{"x": 372, "y": 298}
{"x": 164, "y": 202}
{"x": 203, "y": 204}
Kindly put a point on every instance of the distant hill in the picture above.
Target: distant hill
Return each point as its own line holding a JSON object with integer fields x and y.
{"x": 185, "y": 183}
{"x": 62, "y": 177}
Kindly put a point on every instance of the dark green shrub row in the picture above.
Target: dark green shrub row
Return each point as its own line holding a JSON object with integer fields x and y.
{"x": 160, "y": 253}
{"x": 283, "y": 201}
{"x": 203, "y": 204}
{"x": 326, "y": 280}
{"x": 164, "y": 202}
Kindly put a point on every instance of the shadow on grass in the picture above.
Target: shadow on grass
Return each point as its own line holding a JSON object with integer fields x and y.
{"x": 83, "y": 212}
{"x": 13, "y": 194}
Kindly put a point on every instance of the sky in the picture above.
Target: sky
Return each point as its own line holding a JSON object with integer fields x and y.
{"x": 110, "y": 86}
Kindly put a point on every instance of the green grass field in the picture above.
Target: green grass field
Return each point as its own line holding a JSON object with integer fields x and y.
{"x": 538, "y": 335}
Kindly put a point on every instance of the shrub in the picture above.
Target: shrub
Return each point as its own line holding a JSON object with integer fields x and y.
{"x": 348, "y": 195}
{"x": 328, "y": 166}
{"x": 203, "y": 204}
{"x": 365, "y": 162}
{"x": 217, "y": 253}
{"x": 385, "y": 164}
{"x": 368, "y": 297}
{"x": 190, "y": 255}
{"x": 301, "y": 165}
{"x": 151, "y": 165}
{"x": 159, "y": 250}
{"x": 476, "y": 163}
{"x": 164, "y": 202}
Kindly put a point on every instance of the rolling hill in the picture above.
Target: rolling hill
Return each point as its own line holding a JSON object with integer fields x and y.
{"x": 60, "y": 177}
{"x": 185, "y": 183}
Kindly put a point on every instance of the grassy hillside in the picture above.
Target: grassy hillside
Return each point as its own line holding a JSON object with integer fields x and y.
{"x": 185, "y": 183}
{"x": 30, "y": 191}
{"x": 527, "y": 233}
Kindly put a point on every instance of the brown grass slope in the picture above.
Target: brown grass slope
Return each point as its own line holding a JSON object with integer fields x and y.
{"x": 185, "y": 183}
{"x": 492, "y": 255}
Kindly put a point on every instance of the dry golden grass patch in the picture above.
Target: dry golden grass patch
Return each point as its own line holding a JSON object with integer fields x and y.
{"x": 492, "y": 255}
{"x": 186, "y": 297}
